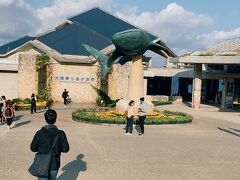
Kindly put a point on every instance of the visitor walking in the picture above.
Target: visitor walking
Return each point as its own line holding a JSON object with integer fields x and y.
{"x": 8, "y": 114}
{"x": 142, "y": 114}
{"x": 130, "y": 115}
{"x": 45, "y": 138}
{"x": 3, "y": 105}
{"x": 33, "y": 104}
{"x": 65, "y": 97}
{"x": 1, "y": 108}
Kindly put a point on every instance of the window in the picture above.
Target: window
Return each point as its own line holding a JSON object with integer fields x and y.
{"x": 212, "y": 67}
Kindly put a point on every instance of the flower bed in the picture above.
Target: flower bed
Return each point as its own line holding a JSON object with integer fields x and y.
{"x": 27, "y": 106}
{"x": 112, "y": 117}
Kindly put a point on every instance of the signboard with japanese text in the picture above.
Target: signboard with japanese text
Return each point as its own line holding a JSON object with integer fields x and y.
{"x": 74, "y": 79}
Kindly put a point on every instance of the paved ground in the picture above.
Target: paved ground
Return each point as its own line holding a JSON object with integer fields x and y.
{"x": 209, "y": 148}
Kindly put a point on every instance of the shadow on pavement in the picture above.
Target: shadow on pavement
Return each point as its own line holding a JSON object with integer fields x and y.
{"x": 228, "y": 110}
{"x": 229, "y": 131}
{"x": 138, "y": 129}
{"x": 72, "y": 169}
{"x": 18, "y": 117}
{"x": 187, "y": 103}
{"x": 41, "y": 111}
{"x": 21, "y": 124}
{"x": 235, "y": 130}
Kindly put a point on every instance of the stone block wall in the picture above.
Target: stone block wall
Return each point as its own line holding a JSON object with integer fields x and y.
{"x": 79, "y": 92}
{"x": 157, "y": 98}
{"x": 27, "y": 76}
{"x": 118, "y": 81}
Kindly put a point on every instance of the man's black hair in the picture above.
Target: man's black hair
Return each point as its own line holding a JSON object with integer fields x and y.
{"x": 130, "y": 103}
{"x": 50, "y": 116}
{"x": 142, "y": 99}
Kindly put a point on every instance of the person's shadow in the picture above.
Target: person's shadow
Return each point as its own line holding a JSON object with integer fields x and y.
{"x": 72, "y": 169}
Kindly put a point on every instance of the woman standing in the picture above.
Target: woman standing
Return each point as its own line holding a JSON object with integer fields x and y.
{"x": 8, "y": 114}
{"x": 1, "y": 108}
{"x": 130, "y": 115}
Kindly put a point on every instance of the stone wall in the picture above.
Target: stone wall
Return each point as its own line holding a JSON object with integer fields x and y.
{"x": 118, "y": 81}
{"x": 157, "y": 98}
{"x": 27, "y": 76}
{"x": 79, "y": 92}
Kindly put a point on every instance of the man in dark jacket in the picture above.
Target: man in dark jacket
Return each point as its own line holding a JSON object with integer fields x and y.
{"x": 65, "y": 96}
{"x": 43, "y": 140}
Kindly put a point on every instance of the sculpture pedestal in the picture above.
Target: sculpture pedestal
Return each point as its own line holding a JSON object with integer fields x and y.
{"x": 135, "y": 87}
{"x": 135, "y": 82}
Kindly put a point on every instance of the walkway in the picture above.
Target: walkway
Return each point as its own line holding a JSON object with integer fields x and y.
{"x": 206, "y": 149}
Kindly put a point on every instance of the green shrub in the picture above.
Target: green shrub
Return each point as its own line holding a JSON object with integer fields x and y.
{"x": 26, "y": 101}
{"x": 17, "y": 100}
{"x": 159, "y": 103}
{"x": 18, "y": 108}
{"x": 168, "y": 117}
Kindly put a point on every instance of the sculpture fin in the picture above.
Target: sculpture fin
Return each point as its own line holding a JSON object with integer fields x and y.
{"x": 101, "y": 58}
{"x": 113, "y": 57}
{"x": 122, "y": 60}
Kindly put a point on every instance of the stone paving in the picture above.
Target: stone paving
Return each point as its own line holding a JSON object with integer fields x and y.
{"x": 208, "y": 148}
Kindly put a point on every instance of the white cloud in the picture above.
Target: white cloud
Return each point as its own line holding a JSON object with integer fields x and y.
{"x": 20, "y": 19}
{"x": 210, "y": 39}
{"x": 5, "y": 2}
{"x": 17, "y": 19}
{"x": 61, "y": 9}
{"x": 181, "y": 29}
{"x": 171, "y": 23}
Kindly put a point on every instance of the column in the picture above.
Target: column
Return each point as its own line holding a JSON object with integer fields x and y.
{"x": 197, "y": 84}
{"x": 135, "y": 82}
{"x": 224, "y": 91}
{"x": 145, "y": 87}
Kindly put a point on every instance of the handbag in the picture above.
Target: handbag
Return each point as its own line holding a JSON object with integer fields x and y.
{"x": 42, "y": 162}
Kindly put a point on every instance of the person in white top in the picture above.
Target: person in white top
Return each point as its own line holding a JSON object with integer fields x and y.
{"x": 130, "y": 115}
{"x": 142, "y": 114}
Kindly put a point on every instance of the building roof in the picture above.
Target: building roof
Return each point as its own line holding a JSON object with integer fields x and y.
{"x": 14, "y": 44}
{"x": 227, "y": 52}
{"x": 232, "y": 45}
{"x": 58, "y": 56}
{"x": 94, "y": 27}
{"x": 226, "y": 48}
{"x": 107, "y": 24}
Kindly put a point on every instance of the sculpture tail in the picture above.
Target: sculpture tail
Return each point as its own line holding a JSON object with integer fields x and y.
{"x": 101, "y": 58}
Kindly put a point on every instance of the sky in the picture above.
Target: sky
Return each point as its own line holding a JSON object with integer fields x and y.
{"x": 184, "y": 25}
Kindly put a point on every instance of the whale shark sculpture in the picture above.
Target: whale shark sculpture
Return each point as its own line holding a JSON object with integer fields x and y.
{"x": 127, "y": 44}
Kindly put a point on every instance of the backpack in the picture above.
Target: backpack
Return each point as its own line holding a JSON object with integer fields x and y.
{"x": 8, "y": 112}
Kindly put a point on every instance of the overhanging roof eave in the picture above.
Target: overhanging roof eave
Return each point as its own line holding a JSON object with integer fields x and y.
{"x": 206, "y": 60}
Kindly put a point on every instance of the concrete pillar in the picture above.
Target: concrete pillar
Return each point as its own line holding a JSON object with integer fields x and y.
{"x": 135, "y": 82}
{"x": 135, "y": 87}
{"x": 197, "y": 84}
{"x": 145, "y": 87}
{"x": 224, "y": 91}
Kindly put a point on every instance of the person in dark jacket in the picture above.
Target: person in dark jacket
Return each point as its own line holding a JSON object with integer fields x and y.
{"x": 43, "y": 140}
{"x": 33, "y": 104}
{"x": 65, "y": 97}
